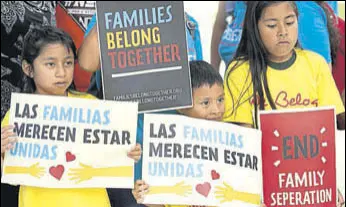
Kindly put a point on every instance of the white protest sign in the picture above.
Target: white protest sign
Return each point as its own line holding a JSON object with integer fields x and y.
{"x": 190, "y": 161}
{"x": 71, "y": 142}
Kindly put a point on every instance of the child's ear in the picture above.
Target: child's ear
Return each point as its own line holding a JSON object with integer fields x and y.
{"x": 27, "y": 69}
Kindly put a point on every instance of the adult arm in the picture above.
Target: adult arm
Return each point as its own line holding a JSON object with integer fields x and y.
{"x": 218, "y": 29}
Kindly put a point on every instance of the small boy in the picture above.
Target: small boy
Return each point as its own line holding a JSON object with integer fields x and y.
{"x": 208, "y": 103}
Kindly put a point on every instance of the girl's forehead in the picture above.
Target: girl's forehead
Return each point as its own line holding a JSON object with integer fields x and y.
{"x": 277, "y": 9}
{"x": 56, "y": 49}
{"x": 55, "y": 46}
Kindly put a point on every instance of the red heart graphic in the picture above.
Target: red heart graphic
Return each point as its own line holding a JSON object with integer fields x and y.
{"x": 215, "y": 175}
{"x": 70, "y": 157}
{"x": 203, "y": 189}
{"x": 57, "y": 171}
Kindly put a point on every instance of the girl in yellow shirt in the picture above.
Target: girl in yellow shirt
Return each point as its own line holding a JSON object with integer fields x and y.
{"x": 48, "y": 65}
{"x": 270, "y": 72}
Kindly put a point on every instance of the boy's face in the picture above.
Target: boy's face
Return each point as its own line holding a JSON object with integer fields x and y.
{"x": 208, "y": 103}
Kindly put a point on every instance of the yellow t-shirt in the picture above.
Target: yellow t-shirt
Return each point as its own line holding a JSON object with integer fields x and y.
{"x": 307, "y": 83}
{"x": 50, "y": 197}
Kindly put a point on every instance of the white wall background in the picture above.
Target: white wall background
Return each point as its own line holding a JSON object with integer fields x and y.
{"x": 205, "y": 13}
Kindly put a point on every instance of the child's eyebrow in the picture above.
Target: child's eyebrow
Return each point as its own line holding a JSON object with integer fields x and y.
{"x": 271, "y": 19}
{"x": 69, "y": 57}
{"x": 274, "y": 19}
{"x": 49, "y": 58}
{"x": 203, "y": 97}
{"x": 290, "y": 16}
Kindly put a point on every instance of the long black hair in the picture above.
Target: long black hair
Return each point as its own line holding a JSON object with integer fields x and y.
{"x": 36, "y": 39}
{"x": 251, "y": 48}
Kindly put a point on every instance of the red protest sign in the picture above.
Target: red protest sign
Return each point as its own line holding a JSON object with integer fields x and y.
{"x": 298, "y": 152}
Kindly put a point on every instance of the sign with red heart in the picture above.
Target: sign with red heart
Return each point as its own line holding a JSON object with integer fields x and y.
{"x": 66, "y": 142}
{"x": 57, "y": 171}
{"x": 203, "y": 189}
{"x": 215, "y": 175}
{"x": 70, "y": 157}
{"x": 194, "y": 162}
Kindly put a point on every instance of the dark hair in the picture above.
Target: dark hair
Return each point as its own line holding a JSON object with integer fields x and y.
{"x": 334, "y": 36}
{"x": 251, "y": 48}
{"x": 202, "y": 73}
{"x": 37, "y": 38}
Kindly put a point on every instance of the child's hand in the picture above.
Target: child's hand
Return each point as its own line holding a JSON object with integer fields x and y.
{"x": 135, "y": 153}
{"x": 8, "y": 138}
{"x": 141, "y": 188}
